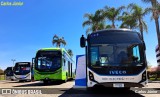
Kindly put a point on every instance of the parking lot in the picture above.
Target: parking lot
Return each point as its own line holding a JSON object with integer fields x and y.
{"x": 57, "y": 89}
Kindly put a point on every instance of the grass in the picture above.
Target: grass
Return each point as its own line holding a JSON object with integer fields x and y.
{"x": 1, "y": 77}
{"x": 153, "y": 79}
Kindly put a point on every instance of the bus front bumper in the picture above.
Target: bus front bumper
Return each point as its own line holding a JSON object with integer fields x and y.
{"x": 124, "y": 84}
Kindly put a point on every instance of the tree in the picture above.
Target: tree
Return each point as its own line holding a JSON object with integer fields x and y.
{"x": 108, "y": 26}
{"x": 112, "y": 14}
{"x": 70, "y": 52}
{"x": 155, "y": 14}
{"x": 128, "y": 21}
{"x": 1, "y": 72}
{"x": 138, "y": 13}
{"x": 58, "y": 41}
{"x": 94, "y": 21}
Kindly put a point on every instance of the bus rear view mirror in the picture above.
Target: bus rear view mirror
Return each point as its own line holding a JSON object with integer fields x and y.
{"x": 82, "y": 41}
{"x": 135, "y": 58}
{"x": 144, "y": 46}
{"x": 98, "y": 63}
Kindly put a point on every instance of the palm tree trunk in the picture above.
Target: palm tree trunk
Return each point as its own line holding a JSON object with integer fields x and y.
{"x": 96, "y": 28}
{"x": 157, "y": 30}
{"x": 113, "y": 26}
{"x": 155, "y": 16}
{"x": 142, "y": 35}
{"x": 153, "y": 2}
{"x": 158, "y": 34}
{"x": 141, "y": 28}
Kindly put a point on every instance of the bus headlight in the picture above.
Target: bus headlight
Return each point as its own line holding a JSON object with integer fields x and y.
{"x": 91, "y": 77}
{"x": 144, "y": 77}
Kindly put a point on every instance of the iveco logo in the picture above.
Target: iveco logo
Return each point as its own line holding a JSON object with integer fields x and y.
{"x": 117, "y": 72}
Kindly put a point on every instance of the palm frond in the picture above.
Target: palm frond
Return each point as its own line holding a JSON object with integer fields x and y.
{"x": 88, "y": 30}
{"x": 55, "y": 36}
{"x": 86, "y": 23}
{"x": 120, "y": 9}
{"x": 87, "y": 15}
{"x": 58, "y": 41}
{"x": 147, "y": 11}
{"x": 145, "y": 26}
{"x": 146, "y": 1}
{"x": 131, "y": 6}
{"x": 70, "y": 52}
{"x": 108, "y": 26}
{"x": 106, "y": 7}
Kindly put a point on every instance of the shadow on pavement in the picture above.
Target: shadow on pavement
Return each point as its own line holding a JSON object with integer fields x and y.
{"x": 18, "y": 82}
{"x": 40, "y": 84}
{"x": 100, "y": 92}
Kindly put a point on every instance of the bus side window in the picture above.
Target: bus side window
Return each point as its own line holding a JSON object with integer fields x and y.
{"x": 136, "y": 52}
{"x": 64, "y": 62}
{"x": 39, "y": 63}
{"x": 94, "y": 55}
{"x": 68, "y": 63}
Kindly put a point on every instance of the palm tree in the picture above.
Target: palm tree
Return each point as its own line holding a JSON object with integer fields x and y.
{"x": 155, "y": 14}
{"x": 112, "y": 14}
{"x": 94, "y": 21}
{"x": 70, "y": 52}
{"x": 128, "y": 21}
{"x": 138, "y": 13}
{"x": 58, "y": 41}
{"x": 108, "y": 26}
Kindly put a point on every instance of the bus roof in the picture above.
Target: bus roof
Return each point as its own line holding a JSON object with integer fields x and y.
{"x": 22, "y": 63}
{"x": 116, "y": 29}
{"x": 52, "y": 49}
{"x": 8, "y": 68}
{"x": 112, "y": 36}
{"x": 55, "y": 49}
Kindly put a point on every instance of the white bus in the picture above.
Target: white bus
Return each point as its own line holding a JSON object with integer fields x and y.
{"x": 22, "y": 71}
{"x": 115, "y": 58}
{"x": 9, "y": 74}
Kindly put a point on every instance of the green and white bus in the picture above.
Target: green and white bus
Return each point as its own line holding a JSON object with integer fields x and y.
{"x": 53, "y": 64}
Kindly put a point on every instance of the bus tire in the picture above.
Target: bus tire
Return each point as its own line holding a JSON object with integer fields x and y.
{"x": 64, "y": 81}
{"x": 30, "y": 80}
{"x": 45, "y": 81}
{"x": 126, "y": 88}
{"x": 66, "y": 77}
{"x": 89, "y": 89}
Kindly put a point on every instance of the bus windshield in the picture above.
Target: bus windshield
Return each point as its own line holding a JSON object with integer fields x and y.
{"x": 9, "y": 71}
{"x": 22, "y": 68}
{"x": 116, "y": 55}
{"x": 48, "y": 61}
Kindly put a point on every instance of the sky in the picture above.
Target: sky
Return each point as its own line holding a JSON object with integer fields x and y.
{"x": 27, "y": 28}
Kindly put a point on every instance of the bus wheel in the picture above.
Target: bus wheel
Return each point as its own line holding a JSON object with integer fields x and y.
{"x": 89, "y": 89}
{"x": 64, "y": 81}
{"x": 20, "y": 80}
{"x": 66, "y": 77}
{"x": 126, "y": 89}
{"x": 29, "y": 80}
{"x": 45, "y": 81}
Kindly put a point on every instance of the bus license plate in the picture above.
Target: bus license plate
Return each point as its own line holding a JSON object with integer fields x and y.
{"x": 118, "y": 85}
{"x": 22, "y": 76}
